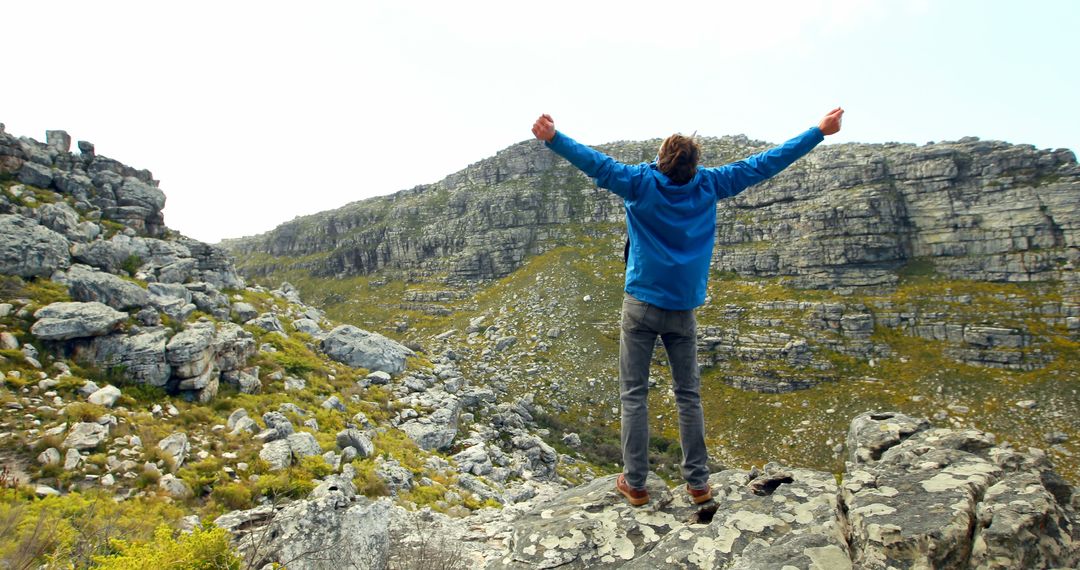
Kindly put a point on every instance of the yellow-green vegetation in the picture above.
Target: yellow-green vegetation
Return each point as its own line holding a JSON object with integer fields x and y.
{"x": 205, "y": 548}
{"x": 71, "y": 530}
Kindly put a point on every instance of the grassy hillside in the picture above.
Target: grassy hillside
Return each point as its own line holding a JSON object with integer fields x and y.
{"x": 574, "y": 374}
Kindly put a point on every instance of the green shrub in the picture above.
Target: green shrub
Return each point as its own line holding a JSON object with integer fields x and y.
{"x": 132, "y": 264}
{"x": 233, "y": 496}
{"x": 206, "y": 548}
{"x": 202, "y": 476}
{"x": 367, "y": 482}
{"x": 84, "y": 412}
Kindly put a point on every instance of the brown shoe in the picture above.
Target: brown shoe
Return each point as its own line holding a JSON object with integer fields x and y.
{"x": 699, "y": 495}
{"x": 636, "y": 497}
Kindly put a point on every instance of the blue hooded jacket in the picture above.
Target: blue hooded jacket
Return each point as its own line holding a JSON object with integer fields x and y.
{"x": 672, "y": 227}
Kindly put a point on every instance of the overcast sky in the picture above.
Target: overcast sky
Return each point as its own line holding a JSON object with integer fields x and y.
{"x": 251, "y": 113}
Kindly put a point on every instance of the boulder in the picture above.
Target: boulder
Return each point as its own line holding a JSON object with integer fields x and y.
{"x": 106, "y": 396}
{"x": 328, "y": 533}
{"x": 84, "y": 436}
{"x": 872, "y": 433}
{"x": 176, "y": 446}
{"x": 190, "y": 352}
{"x": 28, "y": 249}
{"x": 303, "y": 444}
{"x": 437, "y": 430}
{"x": 140, "y": 357}
{"x": 233, "y": 346}
{"x": 244, "y": 312}
{"x": 278, "y": 426}
{"x": 86, "y": 284}
{"x": 357, "y": 440}
{"x": 246, "y": 381}
{"x": 277, "y": 454}
{"x": 362, "y": 349}
{"x": 267, "y": 322}
{"x": 68, "y": 320}
{"x": 307, "y": 326}
{"x": 174, "y": 487}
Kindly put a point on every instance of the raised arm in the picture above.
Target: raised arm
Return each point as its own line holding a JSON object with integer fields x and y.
{"x": 606, "y": 171}
{"x": 737, "y": 176}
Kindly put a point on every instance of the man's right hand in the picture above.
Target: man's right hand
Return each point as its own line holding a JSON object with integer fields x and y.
{"x": 830, "y": 125}
{"x": 544, "y": 128}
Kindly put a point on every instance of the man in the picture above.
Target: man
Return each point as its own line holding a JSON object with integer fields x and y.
{"x": 671, "y": 223}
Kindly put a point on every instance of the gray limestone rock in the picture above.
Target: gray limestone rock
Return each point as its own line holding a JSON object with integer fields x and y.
{"x": 190, "y": 352}
{"x": 327, "y": 533}
{"x": 174, "y": 487}
{"x": 68, "y": 320}
{"x": 246, "y": 381}
{"x": 233, "y": 346}
{"x": 235, "y": 416}
{"x": 140, "y": 357}
{"x": 362, "y": 349}
{"x": 106, "y": 396}
{"x": 244, "y": 312}
{"x": 62, "y": 219}
{"x": 303, "y": 444}
{"x": 307, "y": 326}
{"x": 873, "y": 433}
{"x": 50, "y": 456}
{"x": 28, "y": 249}
{"x": 277, "y": 454}
{"x": 176, "y": 446}
{"x": 279, "y": 426}
{"x": 84, "y": 436}
{"x": 58, "y": 140}
{"x": 33, "y": 174}
{"x": 357, "y": 440}
{"x": 87, "y": 284}
{"x": 436, "y": 430}
{"x": 267, "y": 322}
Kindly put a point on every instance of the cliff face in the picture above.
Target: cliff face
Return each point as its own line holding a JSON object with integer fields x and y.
{"x": 845, "y": 215}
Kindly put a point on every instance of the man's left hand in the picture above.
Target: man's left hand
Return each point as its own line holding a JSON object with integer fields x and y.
{"x": 830, "y": 125}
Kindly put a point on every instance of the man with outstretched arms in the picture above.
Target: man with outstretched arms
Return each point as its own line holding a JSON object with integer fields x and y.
{"x": 671, "y": 223}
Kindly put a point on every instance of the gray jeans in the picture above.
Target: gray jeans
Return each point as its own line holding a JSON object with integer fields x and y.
{"x": 641, "y": 324}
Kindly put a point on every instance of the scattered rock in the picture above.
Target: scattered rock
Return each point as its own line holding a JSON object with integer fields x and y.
{"x": 106, "y": 396}
{"x": 85, "y": 436}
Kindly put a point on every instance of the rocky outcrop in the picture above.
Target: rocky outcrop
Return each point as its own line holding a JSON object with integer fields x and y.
{"x": 912, "y": 497}
{"x": 330, "y": 533}
{"x": 845, "y": 215}
{"x": 28, "y": 249}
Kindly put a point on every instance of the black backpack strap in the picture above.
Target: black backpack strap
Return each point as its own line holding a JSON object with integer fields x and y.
{"x": 626, "y": 251}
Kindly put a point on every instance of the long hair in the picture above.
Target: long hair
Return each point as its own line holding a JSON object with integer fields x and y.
{"x": 678, "y": 158}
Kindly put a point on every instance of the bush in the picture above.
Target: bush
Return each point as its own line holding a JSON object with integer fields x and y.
{"x": 132, "y": 264}
{"x": 69, "y": 530}
{"x": 206, "y": 548}
{"x": 84, "y": 412}
{"x": 233, "y": 496}
{"x": 367, "y": 482}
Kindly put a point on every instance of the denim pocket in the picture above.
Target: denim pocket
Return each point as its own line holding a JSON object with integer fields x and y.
{"x": 633, "y": 312}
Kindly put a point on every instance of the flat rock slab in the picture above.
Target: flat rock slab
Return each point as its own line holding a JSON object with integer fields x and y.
{"x": 68, "y": 320}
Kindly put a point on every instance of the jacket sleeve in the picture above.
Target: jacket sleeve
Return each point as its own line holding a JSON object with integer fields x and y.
{"x": 606, "y": 171}
{"x": 738, "y": 176}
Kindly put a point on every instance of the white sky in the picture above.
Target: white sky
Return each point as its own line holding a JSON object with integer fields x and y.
{"x": 251, "y": 113}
